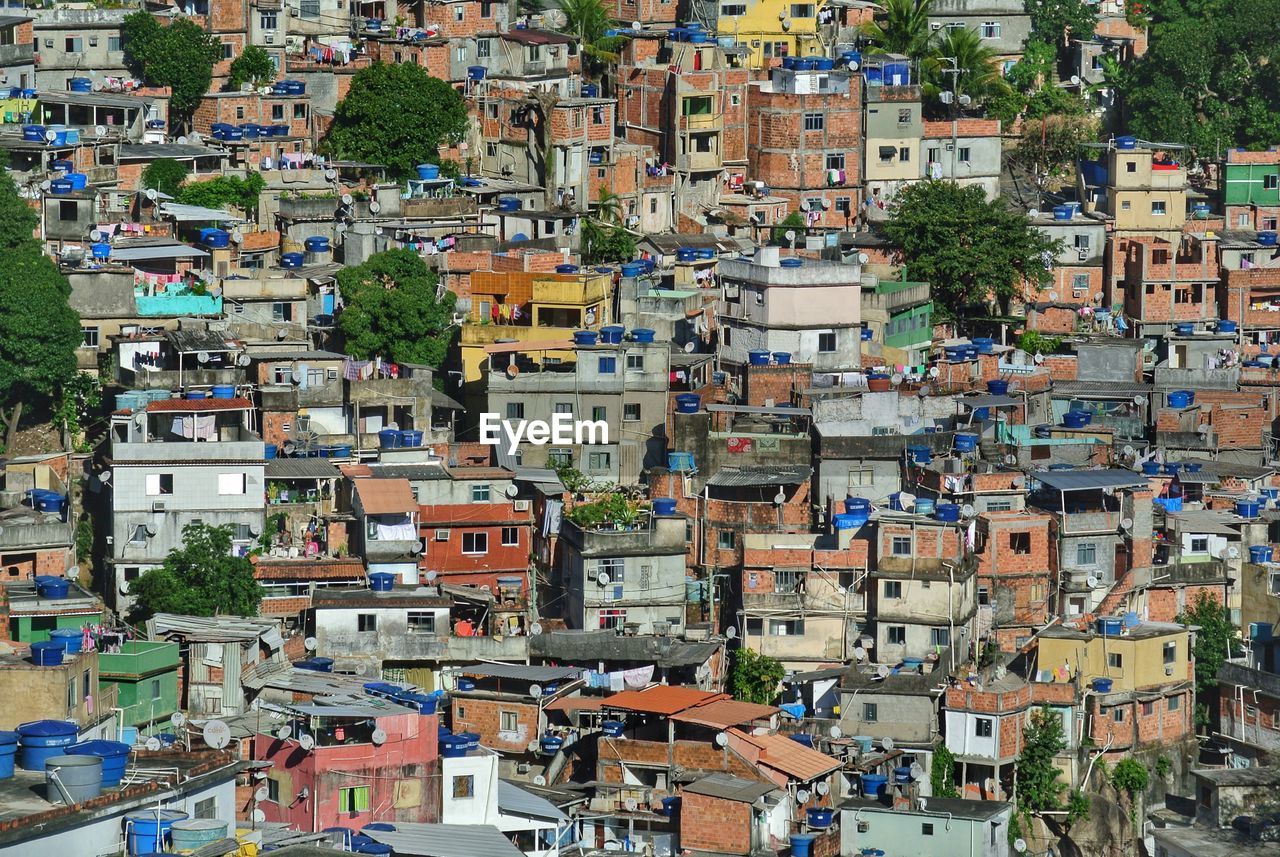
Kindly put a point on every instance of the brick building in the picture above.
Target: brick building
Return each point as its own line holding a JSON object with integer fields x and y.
{"x": 1015, "y": 586}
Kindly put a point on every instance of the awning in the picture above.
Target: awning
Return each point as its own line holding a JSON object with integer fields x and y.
{"x": 1088, "y": 480}
{"x": 184, "y": 213}
{"x": 158, "y": 251}
{"x": 989, "y": 401}
{"x": 540, "y": 345}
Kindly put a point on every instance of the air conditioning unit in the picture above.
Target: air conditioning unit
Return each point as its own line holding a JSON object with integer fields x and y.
{"x": 442, "y": 535}
{"x": 157, "y": 506}
{"x": 1082, "y": 255}
{"x": 269, "y": 38}
{"x": 521, "y": 505}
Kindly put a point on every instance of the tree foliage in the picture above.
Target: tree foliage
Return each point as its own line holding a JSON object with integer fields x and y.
{"x": 1062, "y": 21}
{"x": 970, "y": 250}
{"x": 1050, "y": 147}
{"x": 1215, "y": 641}
{"x": 755, "y": 677}
{"x": 397, "y": 115}
{"x": 391, "y": 310}
{"x": 1040, "y": 784}
{"x": 39, "y": 331}
{"x": 1032, "y": 90}
{"x": 942, "y": 773}
{"x": 589, "y": 20}
{"x": 222, "y": 191}
{"x": 200, "y": 578}
{"x": 604, "y": 243}
{"x": 254, "y": 65}
{"x": 901, "y": 27}
{"x": 179, "y": 55}
{"x": 1210, "y": 77}
{"x": 793, "y": 222}
{"x": 979, "y": 74}
{"x": 165, "y": 175}
{"x": 1130, "y": 776}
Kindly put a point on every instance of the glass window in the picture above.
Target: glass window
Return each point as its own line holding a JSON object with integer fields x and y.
{"x": 608, "y": 365}
{"x": 159, "y": 484}
{"x": 366, "y": 622}
{"x": 480, "y": 493}
{"x": 897, "y": 635}
{"x": 870, "y": 712}
{"x": 515, "y": 410}
{"x": 475, "y": 543}
{"x": 354, "y": 799}
{"x": 900, "y": 546}
{"x": 599, "y": 461}
{"x": 1115, "y": 661}
{"x": 598, "y": 413}
{"x": 827, "y": 342}
{"x": 725, "y": 540}
{"x": 635, "y": 362}
{"x": 939, "y": 636}
{"x": 267, "y": 20}
{"x": 510, "y": 536}
{"x": 1157, "y": 207}
{"x": 982, "y": 727}
{"x": 508, "y": 721}
{"x": 893, "y": 589}
{"x": 230, "y": 483}
{"x": 421, "y": 622}
{"x": 631, "y": 412}
{"x": 815, "y": 121}
{"x": 1086, "y": 553}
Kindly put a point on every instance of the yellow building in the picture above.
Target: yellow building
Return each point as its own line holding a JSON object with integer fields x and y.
{"x": 772, "y": 29}
{"x": 1149, "y": 655}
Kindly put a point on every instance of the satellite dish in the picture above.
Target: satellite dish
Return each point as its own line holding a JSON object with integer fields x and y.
{"x": 822, "y": 789}
{"x": 284, "y": 732}
{"x": 51, "y": 135}
{"x": 178, "y": 720}
{"x": 1091, "y": 581}
{"x": 432, "y": 575}
{"x": 237, "y": 236}
{"x": 731, "y": 632}
{"x": 863, "y": 258}
{"x": 378, "y": 737}
{"x": 261, "y": 794}
{"x": 859, "y": 653}
{"x": 1075, "y": 80}
{"x": 310, "y": 644}
{"x": 535, "y": 629}
{"x": 1053, "y": 296}
{"x": 202, "y": 356}
{"x": 882, "y": 671}
{"x": 1128, "y": 450}
{"x": 906, "y": 499}
{"x": 887, "y": 744}
{"x": 791, "y": 233}
{"x": 636, "y": 25}
{"x": 853, "y": 65}
{"x": 826, "y": 203}
{"x": 917, "y": 771}
{"x": 297, "y": 375}
{"x": 95, "y": 235}
{"x": 721, "y": 739}
{"x": 1011, "y": 459}
{"x": 779, "y": 498}
{"x": 96, "y": 86}
{"x": 802, "y": 796}
{"x": 690, "y": 347}
{"x": 924, "y": 392}
{"x": 183, "y": 140}
{"x": 1020, "y": 845}
{"x": 46, "y": 184}
{"x": 1126, "y": 523}
{"x": 535, "y": 690}
{"x": 786, "y": 24}
{"x": 1039, "y": 358}
{"x": 968, "y": 511}
{"x": 375, "y": 207}
{"x": 1033, "y": 213}
{"x": 100, "y": 130}
{"x": 104, "y": 477}
{"x": 152, "y": 193}
{"x": 153, "y": 743}
{"x": 804, "y": 205}
{"x": 259, "y": 816}
{"x": 539, "y": 780}
{"x": 282, "y": 333}
{"x": 933, "y": 372}
{"x": 1233, "y": 552}
{"x": 346, "y": 199}
{"x": 331, "y": 174}
{"x": 631, "y": 804}
{"x": 895, "y": 378}
{"x": 308, "y": 743}
{"x": 603, "y": 579}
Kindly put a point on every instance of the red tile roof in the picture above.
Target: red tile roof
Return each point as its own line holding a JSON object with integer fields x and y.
{"x": 723, "y": 713}
{"x": 385, "y": 496}
{"x": 307, "y": 569}
{"x": 780, "y": 753}
{"x": 662, "y": 699}
{"x": 187, "y": 405}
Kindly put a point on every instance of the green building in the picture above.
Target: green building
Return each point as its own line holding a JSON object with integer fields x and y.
{"x": 1251, "y": 183}
{"x": 900, "y": 312}
{"x": 31, "y": 617}
{"x": 146, "y": 675}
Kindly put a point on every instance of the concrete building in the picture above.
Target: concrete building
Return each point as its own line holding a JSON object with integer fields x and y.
{"x": 75, "y": 42}
{"x": 1251, "y": 189}
{"x": 934, "y": 828}
{"x": 893, "y": 126}
{"x": 965, "y": 150}
{"x": 1003, "y": 25}
{"x": 17, "y": 60}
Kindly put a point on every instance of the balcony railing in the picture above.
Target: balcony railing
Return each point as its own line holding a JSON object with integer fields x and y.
{"x": 138, "y": 658}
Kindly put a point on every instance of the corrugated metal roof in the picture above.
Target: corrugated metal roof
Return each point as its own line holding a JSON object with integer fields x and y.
{"x": 301, "y": 468}
{"x": 215, "y": 629}
{"x": 989, "y": 401}
{"x": 1085, "y": 480}
{"x": 729, "y": 787}
{"x": 385, "y": 496}
{"x": 446, "y": 840}
{"x": 522, "y": 672}
{"x": 723, "y": 713}
{"x": 1104, "y": 389}
{"x": 155, "y": 251}
{"x": 662, "y": 699}
{"x": 746, "y": 477}
{"x": 516, "y": 801}
{"x": 789, "y": 757}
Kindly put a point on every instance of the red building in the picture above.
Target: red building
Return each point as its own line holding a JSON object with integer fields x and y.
{"x": 349, "y": 765}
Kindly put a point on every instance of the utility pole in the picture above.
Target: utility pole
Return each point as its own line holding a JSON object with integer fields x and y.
{"x": 952, "y": 97}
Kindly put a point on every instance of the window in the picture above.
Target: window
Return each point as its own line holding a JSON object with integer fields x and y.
{"x": 788, "y": 579}
{"x": 1086, "y": 553}
{"x": 273, "y": 790}
{"x": 1175, "y": 702}
{"x": 926, "y": 829}
{"x": 1148, "y": 708}
{"x": 990, "y": 29}
{"x": 597, "y": 115}
{"x": 982, "y": 727}
{"x": 984, "y": 595}
{"x": 1170, "y": 653}
{"x": 612, "y": 620}
{"x": 826, "y": 342}
{"x": 207, "y": 808}
{"x": 155, "y": 688}
{"x": 598, "y": 461}
{"x": 421, "y": 622}
{"x": 1115, "y": 660}
{"x": 459, "y": 12}
{"x": 801, "y": 10}
{"x": 515, "y": 410}
{"x": 900, "y": 546}
{"x": 475, "y": 543}
{"x": 904, "y": 155}
{"x": 843, "y": 205}
{"x": 480, "y": 493}
{"x": 1117, "y": 715}
{"x": 635, "y": 362}
{"x": 932, "y": 154}
{"x": 1157, "y": 207}
{"x": 277, "y": 111}
{"x": 1020, "y": 542}
{"x": 869, "y": 712}
{"x": 786, "y": 627}
{"x": 228, "y": 50}
{"x": 999, "y": 505}
{"x": 74, "y": 45}
{"x": 893, "y": 589}
{"x": 1271, "y": 182}
{"x": 354, "y": 799}
{"x": 114, "y": 44}
{"x": 267, "y": 20}
{"x": 939, "y": 636}
{"x": 733, "y": 10}
{"x": 68, "y": 210}
{"x": 230, "y": 483}
{"x": 1079, "y": 283}
{"x": 510, "y": 537}
{"x": 560, "y": 458}
{"x": 309, "y": 8}
{"x": 725, "y": 540}
{"x": 89, "y": 337}
{"x": 835, "y": 161}
{"x": 366, "y": 623}
{"x": 815, "y": 121}
{"x": 139, "y": 534}
{"x": 563, "y": 408}
{"x": 608, "y": 365}
{"x": 159, "y": 484}
{"x": 482, "y": 49}
{"x": 598, "y": 413}
{"x": 963, "y": 154}
{"x": 508, "y": 721}
{"x": 1125, "y": 205}
{"x": 897, "y": 635}
{"x": 631, "y": 412}
{"x": 1199, "y": 544}
{"x": 299, "y": 111}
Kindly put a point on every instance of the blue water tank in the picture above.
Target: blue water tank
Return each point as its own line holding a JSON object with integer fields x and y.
{"x": 80, "y": 84}
{"x": 1126, "y": 143}
{"x": 1062, "y": 212}
{"x": 758, "y": 357}
{"x": 47, "y": 653}
{"x": 381, "y": 581}
{"x": 42, "y": 739}
{"x": 251, "y": 130}
{"x": 688, "y": 403}
{"x": 100, "y": 250}
{"x": 590, "y": 90}
{"x": 428, "y": 172}
{"x": 664, "y": 506}
{"x": 291, "y": 260}
{"x": 1267, "y": 238}
{"x": 508, "y": 204}
{"x": 782, "y": 358}
{"x": 216, "y": 238}
{"x": 946, "y": 512}
{"x": 1226, "y": 325}
{"x": 61, "y": 186}
{"x": 611, "y": 334}
{"x": 389, "y": 438}
{"x": 317, "y": 244}
{"x": 791, "y": 262}
{"x": 477, "y": 72}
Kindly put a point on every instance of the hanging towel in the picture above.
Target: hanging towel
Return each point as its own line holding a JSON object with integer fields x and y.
{"x": 638, "y": 677}
{"x": 617, "y": 682}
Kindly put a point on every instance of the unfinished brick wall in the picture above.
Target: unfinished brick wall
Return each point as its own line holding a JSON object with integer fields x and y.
{"x": 484, "y": 717}
{"x": 714, "y": 824}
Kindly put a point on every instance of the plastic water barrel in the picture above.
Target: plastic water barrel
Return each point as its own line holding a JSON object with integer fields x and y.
{"x": 643, "y": 334}
{"x": 1110, "y": 626}
{"x": 1180, "y": 398}
{"x": 985, "y": 344}
{"x": 224, "y": 391}
{"x": 612, "y": 334}
{"x": 508, "y": 204}
{"x": 148, "y": 829}
{"x": 824, "y": 64}
{"x": 71, "y": 639}
{"x": 585, "y": 337}
{"x": 33, "y": 133}
{"x": 782, "y": 358}
{"x": 924, "y": 506}
{"x": 193, "y": 833}
{"x": 613, "y": 728}
{"x": 1102, "y": 685}
{"x": 998, "y": 387}
{"x": 664, "y": 506}
{"x": 1126, "y": 142}
{"x": 291, "y": 260}
{"x": 1249, "y": 508}
{"x": 100, "y": 250}
{"x": 73, "y": 779}
{"x": 846, "y": 522}
{"x": 251, "y": 130}
{"x": 966, "y": 442}
{"x": 61, "y": 186}
{"x": 867, "y": 334}
{"x": 946, "y": 512}
{"x": 8, "y": 752}
{"x": 1260, "y": 553}
{"x": 453, "y": 747}
{"x": 114, "y": 755}
{"x": 759, "y": 357}
{"x": 317, "y": 244}
{"x": 686, "y": 254}
{"x": 80, "y": 84}
{"x": 1184, "y": 328}
{"x": 1226, "y": 325}
{"x": 40, "y": 739}
{"x": 873, "y": 785}
{"x": 1076, "y": 419}
{"x": 551, "y": 743}
{"x": 920, "y": 454}
{"x": 411, "y": 438}
{"x": 1267, "y": 238}
{"x": 857, "y": 506}
{"x": 428, "y": 172}
{"x": 52, "y": 588}
{"x": 802, "y": 738}
{"x": 1150, "y": 468}
{"x": 79, "y": 181}
{"x": 381, "y": 581}
{"x": 632, "y": 269}
{"x": 47, "y": 653}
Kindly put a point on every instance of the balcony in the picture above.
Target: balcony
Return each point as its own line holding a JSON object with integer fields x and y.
{"x": 137, "y": 659}
{"x": 583, "y": 291}
{"x": 700, "y": 122}
{"x": 703, "y": 161}
{"x": 177, "y": 304}
{"x": 11, "y": 55}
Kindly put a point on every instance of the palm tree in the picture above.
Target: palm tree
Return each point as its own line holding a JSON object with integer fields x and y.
{"x": 979, "y": 76}
{"x": 608, "y": 207}
{"x": 902, "y": 28}
{"x": 588, "y": 20}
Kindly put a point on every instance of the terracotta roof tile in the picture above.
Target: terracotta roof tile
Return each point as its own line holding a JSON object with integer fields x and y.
{"x": 662, "y": 699}
{"x": 307, "y": 569}
{"x": 188, "y": 405}
{"x": 723, "y": 713}
{"x": 780, "y": 753}
{"x": 385, "y": 496}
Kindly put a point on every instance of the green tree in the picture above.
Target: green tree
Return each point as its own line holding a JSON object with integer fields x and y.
{"x": 603, "y": 243}
{"x": 165, "y": 175}
{"x": 588, "y": 21}
{"x": 391, "y": 310}
{"x": 1216, "y": 640}
{"x": 1049, "y": 148}
{"x": 608, "y": 207}
{"x": 902, "y": 27}
{"x": 755, "y": 677}
{"x": 254, "y": 65}
{"x": 979, "y": 66}
{"x": 78, "y": 403}
{"x": 942, "y": 773}
{"x": 793, "y": 222}
{"x": 1062, "y": 21}
{"x": 971, "y": 250}
{"x": 179, "y": 55}
{"x": 1039, "y": 782}
{"x": 222, "y": 191}
{"x": 39, "y": 331}
{"x": 200, "y": 578}
{"x": 397, "y": 115}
